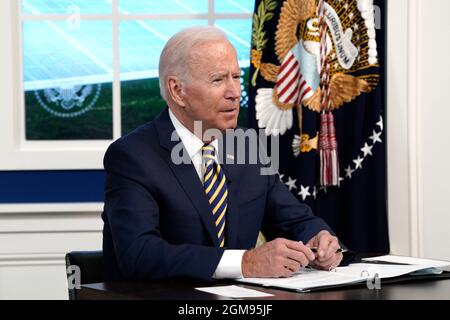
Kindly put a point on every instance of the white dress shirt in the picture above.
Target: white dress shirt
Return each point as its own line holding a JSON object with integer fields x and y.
{"x": 230, "y": 263}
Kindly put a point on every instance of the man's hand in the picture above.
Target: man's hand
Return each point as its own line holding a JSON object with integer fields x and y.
{"x": 327, "y": 246}
{"x": 275, "y": 259}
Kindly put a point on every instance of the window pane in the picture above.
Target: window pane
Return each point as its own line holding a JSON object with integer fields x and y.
{"x": 163, "y": 7}
{"x": 141, "y": 43}
{"x": 66, "y": 6}
{"x": 234, "y": 6}
{"x": 67, "y": 80}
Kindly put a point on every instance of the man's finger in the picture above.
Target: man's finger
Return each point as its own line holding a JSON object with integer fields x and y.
{"x": 324, "y": 263}
{"x": 329, "y": 259}
{"x": 333, "y": 247}
{"x": 324, "y": 242}
{"x": 299, "y": 246}
{"x": 292, "y": 265}
{"x": 333, "y": 262}
{"x": 313, "y": 242}
{"x": 338, "y": 261}
{"x": 298, "y": 256}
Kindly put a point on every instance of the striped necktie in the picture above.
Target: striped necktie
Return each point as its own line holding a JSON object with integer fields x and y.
{"x": 216, "y": 190}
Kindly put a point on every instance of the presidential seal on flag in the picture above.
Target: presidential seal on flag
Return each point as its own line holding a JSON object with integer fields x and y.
{"x": 317, "y": 86}
{"x": 349, "y": 50}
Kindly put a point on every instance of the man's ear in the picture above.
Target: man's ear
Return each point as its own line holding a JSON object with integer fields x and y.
{"x": 175, "y": 88}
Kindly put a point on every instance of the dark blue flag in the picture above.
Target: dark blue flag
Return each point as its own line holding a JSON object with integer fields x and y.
{"x": 303, "y": 51}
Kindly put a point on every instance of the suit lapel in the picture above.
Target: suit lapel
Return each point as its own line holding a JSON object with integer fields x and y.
{"x": 186, "y": 174}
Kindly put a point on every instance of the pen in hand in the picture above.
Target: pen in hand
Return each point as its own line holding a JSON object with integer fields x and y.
{"x": 315, "y": 250}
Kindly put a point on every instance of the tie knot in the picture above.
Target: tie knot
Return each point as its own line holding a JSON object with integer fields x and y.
{"x": 208, "y": 152}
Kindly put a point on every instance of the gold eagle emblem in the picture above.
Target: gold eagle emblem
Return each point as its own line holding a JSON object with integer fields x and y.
{"x": 351, "y": 54}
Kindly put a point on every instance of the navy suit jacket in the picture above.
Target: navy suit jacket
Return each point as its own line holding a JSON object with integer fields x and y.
{"x": 157, "y": 221}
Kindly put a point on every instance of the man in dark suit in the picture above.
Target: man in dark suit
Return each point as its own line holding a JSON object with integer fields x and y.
{"x": 201, "y": 218}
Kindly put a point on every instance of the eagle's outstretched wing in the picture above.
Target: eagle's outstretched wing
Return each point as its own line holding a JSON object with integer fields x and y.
{"x": 343, "y": 88}
{"x": 292, "y": 12}
{"x": 51, "y": 95}
{"x": 87, "y": 90}
{"x": 270, "y": 72}
{"x": 270, "y": 116}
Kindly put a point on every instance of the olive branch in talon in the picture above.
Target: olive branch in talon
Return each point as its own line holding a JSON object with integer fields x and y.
{"x": 259, "y": 39}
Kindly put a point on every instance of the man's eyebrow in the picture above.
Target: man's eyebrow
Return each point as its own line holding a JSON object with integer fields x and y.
{"x": 224, "y": 73}
{"x": 217, "y": 74}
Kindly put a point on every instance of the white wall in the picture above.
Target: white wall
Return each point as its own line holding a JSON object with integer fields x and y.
{"x": 434, "y": 116}
{"x": 397, "y": 127}
{"x": 418, "y": 127}
{"x": 33, "y": 242}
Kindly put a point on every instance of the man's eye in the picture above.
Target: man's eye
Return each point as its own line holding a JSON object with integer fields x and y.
{"x": 217, "y": 80}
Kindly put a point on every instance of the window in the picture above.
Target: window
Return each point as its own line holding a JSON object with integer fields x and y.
{"x": 90, "y": 67}
{"x": 77, "y": 74}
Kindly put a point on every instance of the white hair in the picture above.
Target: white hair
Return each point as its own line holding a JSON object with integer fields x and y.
{"x": 174, "y": 59}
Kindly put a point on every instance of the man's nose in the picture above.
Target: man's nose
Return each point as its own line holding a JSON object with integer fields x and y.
{"x": 233, "y": 89}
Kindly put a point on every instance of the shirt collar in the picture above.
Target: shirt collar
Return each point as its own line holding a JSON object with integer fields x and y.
{"x": 191, "y": 142}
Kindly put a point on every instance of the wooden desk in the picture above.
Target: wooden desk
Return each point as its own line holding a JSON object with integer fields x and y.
{"x": 421, "y": 289}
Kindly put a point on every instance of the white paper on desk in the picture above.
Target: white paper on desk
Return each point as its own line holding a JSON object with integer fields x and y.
{"x": 369, "y": 270}
{"x": 410, "y": 260}
{"x": 307, "y": 279}
{"x": 235, "y": 292}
